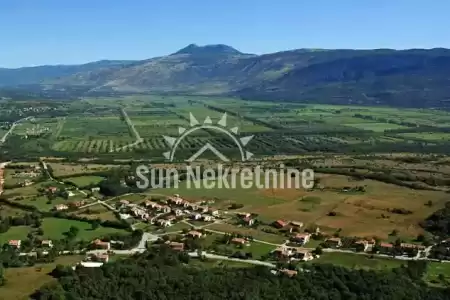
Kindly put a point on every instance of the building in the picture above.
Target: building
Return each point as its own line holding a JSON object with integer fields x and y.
{"x": 361, "y": 245}
{"x": 302, "y": 254}
{"x": 334, "y": 242}
{"x": 70, "y": 194}
{"x": 386, "y": 247}
{"x": 77, "y": 204}
{"x": 176, "y": 200}
{"x": 279, "y": 224}
{"x": 195, "y": 234}
{"x": 196, "y": 216}
{"x": 175, "y": 245}
{"x": 124, "y": 202}
{"x": 301, "y": 238}
{"x": 203, "y": 209}
{"x": 238, "y": 241}
{"x": 248, "y": 221}
{"x": 101, "y": 258}
{"x": 296, "y": 224}
{"x": 244, "y": 215}
{"x": 95, "y": 189}
{"x": 166, "y": 209}
{"x": 47, "y": 243}
{"x": 163, "y": 223}
{"x": 207, "y": 218}
{"x": 101, "y": 245}
{"x": 52, "y": 189}
{"x": 179, "y": 212}
{"x": 289, "y": 273}
{"x": 213, "y": 212}
{"x": 406, "y": 246}
{"x": 60, "y": 207}
{"x": 15, "y": 243}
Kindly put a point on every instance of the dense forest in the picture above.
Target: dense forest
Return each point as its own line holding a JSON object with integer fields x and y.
{"x": 163, "y": 274}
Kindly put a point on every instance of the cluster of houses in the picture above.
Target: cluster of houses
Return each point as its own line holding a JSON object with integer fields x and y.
{"x": 371, "y": 245}
{"x": 17, "y": 243}
{"x": 165, "y": 214}
{"x": 70, "y": 205}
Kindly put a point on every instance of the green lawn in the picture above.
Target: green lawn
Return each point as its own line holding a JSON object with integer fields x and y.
{"x": 357, "y": 261}
{"x": 84, "y": 180}
{"x": 14, "y": 233}
{"x": 54, "y": 229}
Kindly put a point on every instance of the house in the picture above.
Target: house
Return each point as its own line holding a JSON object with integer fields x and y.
{"x": 60, "y": 207}
{"x": 207, "y": 218}
{"x": 302, "y": 254}
{"x": 76, "y": 204}
{"x": 386, "y": 247}
{"x": 178, "y": 212}
{"x": 102, "y": 257}
{"x": 27, "y": 183}
{"x": 15, "y": 243}
{"x": 279, "y": 224}
{"x": 151, "y": 204}
{"x": 203, "y": 209}
{"x": 406, "y": 246}
{"x": 196, "y": 216}
{"x": 124, "y": 202}
{"x": 70, "y": 194}
{"x": 163, "y": 223}
{"x": 301, "y": 238}
{"x": 289, "y": 273}
{"x": 334, "y": 242}
{"x": 244, "y": 215}
{"x": 102, "y": 245}
{"x": 296, "y": 224}
{"x": 361, "y": 245}
{"x": 166, "y": 209}
{"x": 52, "y": 189}
{"x": 238, "y": 241}
{"x": 195, "y": 234}
{"x": 213, "y": 212}
{"x": 47, "y": 243}
{"x": 175, "y": 245}
{"x": 248, "y": 221}
{"x": 170, "y": 218}
{"x": 176, "y": 200}
{"x": 95, "y": 189}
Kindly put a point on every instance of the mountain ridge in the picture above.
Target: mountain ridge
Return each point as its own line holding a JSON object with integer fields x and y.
{"x": 408, "y": 78}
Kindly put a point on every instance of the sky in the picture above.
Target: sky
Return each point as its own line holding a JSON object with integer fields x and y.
{"x": 72, "y": 32}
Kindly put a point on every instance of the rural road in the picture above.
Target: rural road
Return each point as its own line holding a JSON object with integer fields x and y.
{"x": 3, "y": 139}
{"x": 133, "y": 129}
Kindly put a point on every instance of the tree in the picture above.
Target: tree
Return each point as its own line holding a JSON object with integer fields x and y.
{"x": 95, "y": 224}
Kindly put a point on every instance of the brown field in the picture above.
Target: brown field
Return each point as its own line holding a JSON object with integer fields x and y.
{"x": 97, "y": 211}
{"x": 358, "y": 214}
{"x": 65, "y": 169}
{"x": 21, "y": 282}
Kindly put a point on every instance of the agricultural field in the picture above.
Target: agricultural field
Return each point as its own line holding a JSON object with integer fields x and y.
{"x": 55, "y": 228}
{"x": 99, "y": 127}
{"x": 82, "y": 181}
{"x": 362, "y": 214}
{"x": 21, "y": 282}
{"x": 97, "y": 211}
{"x": 68, "y": 169}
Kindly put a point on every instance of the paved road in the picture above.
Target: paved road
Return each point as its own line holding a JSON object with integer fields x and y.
{"x": 221, "y": 257}
{"x": 3, "y": 139}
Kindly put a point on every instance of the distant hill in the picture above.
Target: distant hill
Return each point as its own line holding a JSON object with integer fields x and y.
{"x": 34, "y": 75}
{"x": 406, "y": 78}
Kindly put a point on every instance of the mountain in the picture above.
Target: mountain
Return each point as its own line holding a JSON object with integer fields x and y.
{"x": 406, "y": 78}
{"x": 33, "y": 75}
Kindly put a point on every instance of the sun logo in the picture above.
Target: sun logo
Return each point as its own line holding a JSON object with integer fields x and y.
{"x": 221, "y": 126}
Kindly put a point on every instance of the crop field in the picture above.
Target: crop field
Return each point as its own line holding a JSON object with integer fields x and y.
{"x": 364, "y": 214}
{"x": 67, "y": 169}
{"x": 99, "y": 127}
{"x": 37, "y": 126}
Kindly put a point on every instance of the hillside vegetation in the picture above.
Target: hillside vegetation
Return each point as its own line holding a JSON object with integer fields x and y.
{"x": 404, "y": 78}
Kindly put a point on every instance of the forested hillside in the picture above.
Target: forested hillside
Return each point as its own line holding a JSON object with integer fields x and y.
{"x": 164, "y": 275}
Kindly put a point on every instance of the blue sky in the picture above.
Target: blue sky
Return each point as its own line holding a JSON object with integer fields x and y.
{"x": 69, "y": 32}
